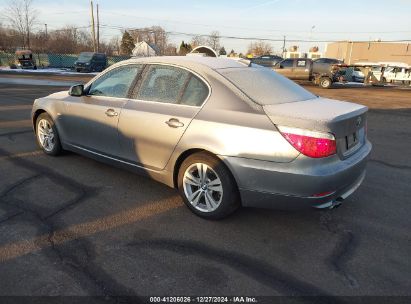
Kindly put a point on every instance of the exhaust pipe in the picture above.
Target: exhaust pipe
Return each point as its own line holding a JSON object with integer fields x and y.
{"x": 331, "y": 205}
{"x": 336, "y": 204}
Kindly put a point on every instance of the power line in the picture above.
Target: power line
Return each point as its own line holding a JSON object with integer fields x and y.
{"x": 250, "y": 38}
{"x": 256, "y": 29}
{"x": 277, "y": 40}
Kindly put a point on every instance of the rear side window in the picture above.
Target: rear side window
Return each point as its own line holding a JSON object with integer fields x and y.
{"x": 115, "y": 83}
{"x": 301, "y": 63}
{"x": 195, "y": 93}
{"x": 163, "y": 84}
{"x": 265, "y": 86}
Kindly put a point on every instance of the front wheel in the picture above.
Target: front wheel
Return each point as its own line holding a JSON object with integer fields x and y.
{"x": 47, "y": 136}
{"x": 208, "y": 187}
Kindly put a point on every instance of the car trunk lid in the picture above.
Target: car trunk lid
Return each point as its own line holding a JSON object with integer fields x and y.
{"x": 346, "y": 121}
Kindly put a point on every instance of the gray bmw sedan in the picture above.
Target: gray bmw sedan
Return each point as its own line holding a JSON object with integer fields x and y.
{"x": 225, "y": 133}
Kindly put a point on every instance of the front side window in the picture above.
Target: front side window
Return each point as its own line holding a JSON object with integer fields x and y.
{"x": 287, "y": 64}
{"x": 163, "y": 84}
{"x": 115, "y": 83}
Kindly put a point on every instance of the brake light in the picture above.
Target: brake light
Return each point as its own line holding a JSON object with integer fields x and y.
{"x": 309, "y": 143}
{"x": 323, "y": 194}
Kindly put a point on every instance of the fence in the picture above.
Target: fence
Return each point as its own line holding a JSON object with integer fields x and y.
{"x": 54, "y": 60}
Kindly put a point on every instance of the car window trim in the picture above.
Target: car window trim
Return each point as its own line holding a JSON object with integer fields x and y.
{"x": 136, "y": 85}
{"x": 184, "y": 88}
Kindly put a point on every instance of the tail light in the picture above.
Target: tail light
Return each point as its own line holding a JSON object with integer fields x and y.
{"x": 310, "y": 143}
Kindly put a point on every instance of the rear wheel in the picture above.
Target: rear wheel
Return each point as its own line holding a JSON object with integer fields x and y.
{"x": 325, "y": 83}
{"x": 207, "y": 186}
{"x": 47, "y": 135}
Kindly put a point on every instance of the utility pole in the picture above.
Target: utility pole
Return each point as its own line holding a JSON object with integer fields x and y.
{"x": 93, "y": 28}
{"x": 98, "y": 31}
{"x": 284, "y": 47}
{"x": 45, "y": 26}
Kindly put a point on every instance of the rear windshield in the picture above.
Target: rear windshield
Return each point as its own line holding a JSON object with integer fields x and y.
{"x": 265, "y": 86}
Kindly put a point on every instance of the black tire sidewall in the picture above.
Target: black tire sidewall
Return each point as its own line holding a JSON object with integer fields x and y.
{"x": 57, "y": 145}
{"x": 231, "y": 198}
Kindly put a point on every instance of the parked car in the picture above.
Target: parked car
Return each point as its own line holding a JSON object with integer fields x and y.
{"x": 391, "y": 74}
{"x": 91, "y": 62}
{"x": 266, "y": 60}
{"x": 25, "y": 60}
{"x": 397, "y": 75}
{"x": 224, "y": 133}
{"x": 357, "y": 75}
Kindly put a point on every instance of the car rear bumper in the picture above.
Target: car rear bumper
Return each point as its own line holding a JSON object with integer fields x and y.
{"x": 294, "y": 185}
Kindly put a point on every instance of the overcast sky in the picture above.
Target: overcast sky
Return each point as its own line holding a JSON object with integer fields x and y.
{"x": 333, "y": 20}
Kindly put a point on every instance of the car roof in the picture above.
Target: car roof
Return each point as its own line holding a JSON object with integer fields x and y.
{"x": 192, "y": 61}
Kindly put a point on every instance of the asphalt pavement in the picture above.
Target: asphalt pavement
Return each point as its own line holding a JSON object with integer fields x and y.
{"x": 72, "y": 226}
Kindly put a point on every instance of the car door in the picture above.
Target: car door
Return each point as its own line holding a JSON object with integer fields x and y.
{"x": 164, "y": 103}
{"x": 302, "y": 69}
{"x": 90, "y": 121}
{"x": 286, "y": 68}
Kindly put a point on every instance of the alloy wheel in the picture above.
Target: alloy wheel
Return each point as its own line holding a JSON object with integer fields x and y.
{"x": 203, "y": 187}
{"x": 45, "y": 135}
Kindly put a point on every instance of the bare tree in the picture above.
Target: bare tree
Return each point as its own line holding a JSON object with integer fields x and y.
{"x": 260, "y": 48}
{"x": 113, "y": 47}
{"x": 67, "y": 40}
{"x": 9, "y": 39}
{"x": 153, "y": 35}
{"x": 22, "y": 16}
{"x": 213, "y": 41}
{"x": 197, "y": 41}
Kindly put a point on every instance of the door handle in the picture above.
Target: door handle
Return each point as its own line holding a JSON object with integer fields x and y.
{"x": 111, "y": 113}
{"x": 174, "y": 123}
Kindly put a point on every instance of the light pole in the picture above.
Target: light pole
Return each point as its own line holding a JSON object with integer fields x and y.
{"x": 311, "y": 32}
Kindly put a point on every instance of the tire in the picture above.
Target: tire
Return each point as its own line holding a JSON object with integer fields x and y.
{"x": 47, "y": 136}
{"x": 209, "y": 204}
{"x": 325, "y": 82}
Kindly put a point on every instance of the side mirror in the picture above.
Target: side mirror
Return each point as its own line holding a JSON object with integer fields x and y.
{"x": 77, "y": 90}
